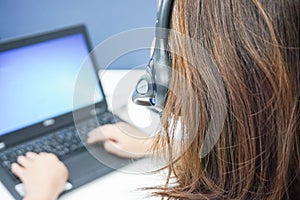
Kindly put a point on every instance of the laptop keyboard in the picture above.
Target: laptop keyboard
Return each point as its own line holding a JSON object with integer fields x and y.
{"x": 61, "y": 143}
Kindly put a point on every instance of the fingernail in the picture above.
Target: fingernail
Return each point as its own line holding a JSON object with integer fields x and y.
{"x": 13, "y": 165}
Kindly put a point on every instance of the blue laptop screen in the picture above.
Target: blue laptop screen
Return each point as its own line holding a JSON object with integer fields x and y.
{"x": 37, "y": 81}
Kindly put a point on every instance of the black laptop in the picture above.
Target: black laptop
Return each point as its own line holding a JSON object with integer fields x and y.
{"x": 38, "y": 76}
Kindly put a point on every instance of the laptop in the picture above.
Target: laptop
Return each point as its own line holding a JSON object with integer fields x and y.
{"x": 38, "y": 75}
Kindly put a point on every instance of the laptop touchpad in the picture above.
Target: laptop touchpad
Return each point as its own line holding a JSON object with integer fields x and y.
{"x": 83, "y": 167}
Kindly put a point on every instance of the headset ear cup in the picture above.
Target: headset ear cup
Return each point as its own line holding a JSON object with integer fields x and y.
{"x": 152, "y": 89}
{"x": 144, "y": 91}
{"x": 161, "y": 72}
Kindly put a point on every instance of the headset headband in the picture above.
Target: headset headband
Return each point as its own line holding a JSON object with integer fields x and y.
{"x": 163, "y": 19}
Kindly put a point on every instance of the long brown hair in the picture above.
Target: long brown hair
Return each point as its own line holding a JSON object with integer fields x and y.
{"x": 255, "y": 47}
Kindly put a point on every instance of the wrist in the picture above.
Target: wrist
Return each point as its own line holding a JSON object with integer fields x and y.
{"x": 40, "y": 197}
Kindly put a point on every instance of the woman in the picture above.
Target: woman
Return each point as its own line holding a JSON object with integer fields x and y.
{"x": 255, "y": 47}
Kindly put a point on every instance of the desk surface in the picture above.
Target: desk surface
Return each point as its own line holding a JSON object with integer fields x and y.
{"x": 119, "y": 184}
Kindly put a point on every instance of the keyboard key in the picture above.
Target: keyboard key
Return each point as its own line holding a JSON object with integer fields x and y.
{"x": 7, "y": 164}
{"x": 3, "y": 157}
{"x": 20, "y": 152}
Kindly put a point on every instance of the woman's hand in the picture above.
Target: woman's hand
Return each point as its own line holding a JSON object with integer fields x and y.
{"x": 122, "y": 140}
{"x": 43, "y": 175}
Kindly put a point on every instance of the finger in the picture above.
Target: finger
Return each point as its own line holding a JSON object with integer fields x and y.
{"x": 43, "y": 154}
{"x": 51, "y": 156}
{"x": 31, "y": 155}
{"x": 100, "y": 134}
{"x": 24, "y": 161}
{"x": 18, "y": 170}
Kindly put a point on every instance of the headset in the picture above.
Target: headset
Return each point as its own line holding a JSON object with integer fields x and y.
{"x": 152, "y": 88}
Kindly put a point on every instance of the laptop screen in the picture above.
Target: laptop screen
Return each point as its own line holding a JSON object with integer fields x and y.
{"x": 37, "y": 81}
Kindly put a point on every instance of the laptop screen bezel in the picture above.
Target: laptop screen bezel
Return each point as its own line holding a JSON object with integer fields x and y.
{"x": 38, "y": 129}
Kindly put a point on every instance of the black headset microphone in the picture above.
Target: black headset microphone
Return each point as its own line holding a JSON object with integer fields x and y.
{"x": 152, "y": 88}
